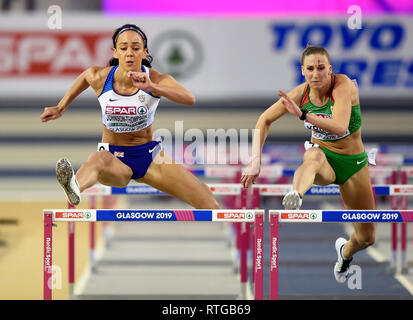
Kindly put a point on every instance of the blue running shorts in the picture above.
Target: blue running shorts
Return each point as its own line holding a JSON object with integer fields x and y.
{"x": 138, "y": 158}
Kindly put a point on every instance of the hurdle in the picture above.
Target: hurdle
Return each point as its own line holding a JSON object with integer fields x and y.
{"x": 395, "y": 191}
{"x": 218, "y": 189}
{"x": 321, "y": 216}
{"x": 135, "y": 215}
{"x": 251, "y": 199}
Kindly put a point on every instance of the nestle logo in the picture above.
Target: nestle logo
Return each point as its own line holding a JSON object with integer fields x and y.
{"x": 120, "y": 110}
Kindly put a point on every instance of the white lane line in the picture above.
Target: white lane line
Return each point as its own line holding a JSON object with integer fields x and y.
{"x": 376, "y": 254}
{"x": 404, "y": 282}
{"x": 80, "y": 284}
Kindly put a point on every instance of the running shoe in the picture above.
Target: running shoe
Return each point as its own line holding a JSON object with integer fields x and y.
{"x": 292, "y": 200}
{"x": 342, "y": 265}
{"x": 67, "y": 179}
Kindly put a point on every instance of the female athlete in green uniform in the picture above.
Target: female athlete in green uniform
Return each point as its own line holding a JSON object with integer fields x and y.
{"x": 329, "y": 106}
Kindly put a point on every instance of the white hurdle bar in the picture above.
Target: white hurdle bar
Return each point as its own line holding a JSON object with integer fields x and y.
{"x": 265, "y": 189}
{"x": 321, "y": 216}
{"x": 136, "y": 215}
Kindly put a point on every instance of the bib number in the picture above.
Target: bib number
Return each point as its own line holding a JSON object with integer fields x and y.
{"x": 103, "y": 146}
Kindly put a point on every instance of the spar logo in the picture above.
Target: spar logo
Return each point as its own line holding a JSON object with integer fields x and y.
{"x": 408, "y": 190}
{"x": 235, "y": 215}
{"x": 73, "y": 215}
{"x": 142, "y": 110}
{"x": 120, "y": 110}
{"x": 298, "y": 215}
{"x": 222, "y": 189}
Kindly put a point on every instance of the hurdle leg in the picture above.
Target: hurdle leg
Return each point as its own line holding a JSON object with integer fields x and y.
{"x": 243, "y": 259}
{"x": 393, "y": 202}
{"x": 92, "y": 205}
{"x": 243, "y": 240}
{"x": 274, "y": 246}
{"x": 258, "y": 256}
{"x": 107, "y": 203}
{"x": 404, "y": 264}
{"x": 47, "y": 256}
{"x": 71, "y": 232}
{"x": 404, "y": 205}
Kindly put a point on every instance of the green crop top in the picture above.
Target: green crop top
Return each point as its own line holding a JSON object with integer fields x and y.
{"x": 325, "y": 111}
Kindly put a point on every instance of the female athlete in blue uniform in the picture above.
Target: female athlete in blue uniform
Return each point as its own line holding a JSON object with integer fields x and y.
{"x": 129, "y": 92}
{"x": 329, "y": 106}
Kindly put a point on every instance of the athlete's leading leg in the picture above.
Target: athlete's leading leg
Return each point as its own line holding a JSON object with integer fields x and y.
{"x": 101, "y": 166}
{"x": 104, "y": 167}
{"x": 314, "y": 170}
{"x": 175, "y": 180}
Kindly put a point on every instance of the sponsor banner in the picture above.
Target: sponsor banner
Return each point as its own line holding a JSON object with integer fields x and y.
{"x": 274, "y": 190}
{"x": 217, "y": 189}
{"x": 98, "y": 190}
{"x": 46, "y": 62}
{"x": 121, "y": 110}
{"x": 401, "y": 190}
{"x": 225, "y": 189}
{"x": 381, "y": 190}
{"x": 344, "y": 216}
{"x": 299, "y": 215}
{"x": 74, "y": 215}
{"x": 367, "y": 216}
{"x": 324, "y": 190}
{"x": 149, "y": 215}
{"x": 234, "y": 215}
{"x": 139, "y": 189}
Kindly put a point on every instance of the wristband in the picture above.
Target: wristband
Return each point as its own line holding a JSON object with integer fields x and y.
{"x": 304, "y": 114}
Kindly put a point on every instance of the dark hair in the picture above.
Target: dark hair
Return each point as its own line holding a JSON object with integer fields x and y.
{"x": 314, "y": 50}
{"x": 148, "y": 60}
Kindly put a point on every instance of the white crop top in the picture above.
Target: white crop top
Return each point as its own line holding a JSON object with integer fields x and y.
{"x": 126, "y": 113}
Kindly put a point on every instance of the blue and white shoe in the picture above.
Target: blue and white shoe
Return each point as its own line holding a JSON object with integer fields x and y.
{"x": 342, "y": 265}
{"x": 67, "y": 179}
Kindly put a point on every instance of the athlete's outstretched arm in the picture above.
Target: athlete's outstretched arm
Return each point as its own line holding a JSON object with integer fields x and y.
{"x": 272, "y": 114}
{"x": 162, "y": 85}
{"x": 341, "y": 111}
{"x": 82, "y": 82}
